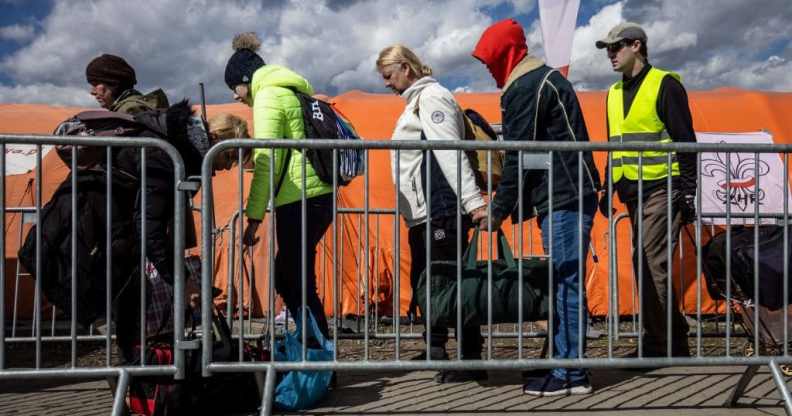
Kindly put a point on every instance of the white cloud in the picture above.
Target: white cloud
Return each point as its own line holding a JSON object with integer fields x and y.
{"x": 17, "y": 33}
{"x": 175, "y": 44}
{"x": 46, "y": 93}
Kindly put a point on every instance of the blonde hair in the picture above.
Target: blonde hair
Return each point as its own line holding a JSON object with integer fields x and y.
{"x": 228, "y": 126}
{"x": 400, "y": 54}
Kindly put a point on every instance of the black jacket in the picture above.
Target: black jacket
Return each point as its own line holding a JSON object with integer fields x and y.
{"x": 91, "y": 247}
{"x": 547, "y": 97}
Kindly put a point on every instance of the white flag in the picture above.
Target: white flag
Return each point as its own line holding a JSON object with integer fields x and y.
{"x": 741, "y": 168}
{"x": 558, "y": 19}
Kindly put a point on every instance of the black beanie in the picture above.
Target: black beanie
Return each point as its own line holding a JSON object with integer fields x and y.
{"x": 241, "y": 66}
{"x": 245, "y": 61}
{"x": 111, "y": 70}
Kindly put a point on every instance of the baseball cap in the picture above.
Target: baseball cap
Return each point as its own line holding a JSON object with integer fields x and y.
{"x": 626, "y": 30}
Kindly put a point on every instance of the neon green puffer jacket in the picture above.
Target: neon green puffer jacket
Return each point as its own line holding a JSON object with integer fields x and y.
{"x": 277, "y": 115}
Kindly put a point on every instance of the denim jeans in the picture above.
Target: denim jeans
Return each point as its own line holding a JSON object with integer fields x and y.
{"x": 565, "y": 260}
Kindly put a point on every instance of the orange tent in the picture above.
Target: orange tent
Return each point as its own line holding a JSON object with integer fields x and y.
{"x": 374, "y": 115}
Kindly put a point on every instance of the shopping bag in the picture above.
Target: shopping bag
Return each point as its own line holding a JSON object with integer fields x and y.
{"x": 300, "y": 390}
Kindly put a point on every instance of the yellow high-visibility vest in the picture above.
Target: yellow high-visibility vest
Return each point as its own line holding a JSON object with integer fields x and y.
{"x": 642, "y": 124}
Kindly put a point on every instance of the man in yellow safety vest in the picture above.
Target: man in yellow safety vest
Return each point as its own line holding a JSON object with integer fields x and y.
{"x": 651, "y": 105}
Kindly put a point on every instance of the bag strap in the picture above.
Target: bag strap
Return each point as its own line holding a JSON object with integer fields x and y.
{"x": 504, "y": 250}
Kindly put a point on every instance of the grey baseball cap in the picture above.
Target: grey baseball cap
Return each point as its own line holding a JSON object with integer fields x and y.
{"x": 626, "y": 30}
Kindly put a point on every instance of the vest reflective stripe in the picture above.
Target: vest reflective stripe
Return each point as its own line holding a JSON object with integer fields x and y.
{"x": 642, "y": 124}
{"x": 640, "y": 137}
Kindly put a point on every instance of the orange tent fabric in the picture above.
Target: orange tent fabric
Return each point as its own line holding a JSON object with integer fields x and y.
{"x": 374, "y": 116}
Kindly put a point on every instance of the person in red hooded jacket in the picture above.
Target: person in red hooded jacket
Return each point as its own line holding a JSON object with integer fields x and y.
{"x": 539, "y": 104}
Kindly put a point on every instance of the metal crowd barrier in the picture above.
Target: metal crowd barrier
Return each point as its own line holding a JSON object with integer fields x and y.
{"x": 118, "y": 376}
{"x": 364, "y": 361}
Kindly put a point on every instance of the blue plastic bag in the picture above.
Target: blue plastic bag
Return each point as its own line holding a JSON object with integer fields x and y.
{"x": 300, "y": 390}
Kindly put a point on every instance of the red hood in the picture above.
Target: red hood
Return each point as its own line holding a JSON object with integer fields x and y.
{"x": 501, "y": 47}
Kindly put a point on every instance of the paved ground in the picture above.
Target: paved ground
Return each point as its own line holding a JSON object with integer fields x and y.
{"x": 672, "y": 391}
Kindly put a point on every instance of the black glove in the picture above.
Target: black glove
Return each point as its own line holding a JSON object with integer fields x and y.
{"x": 603, "y": 204}
{"x": 686, "y": 203}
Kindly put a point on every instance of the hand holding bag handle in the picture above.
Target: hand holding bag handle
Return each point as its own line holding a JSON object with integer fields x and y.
{"x": 504, "y": 250}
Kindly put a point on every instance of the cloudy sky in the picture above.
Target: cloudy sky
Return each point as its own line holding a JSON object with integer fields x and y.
{"x": 175, "y": 44}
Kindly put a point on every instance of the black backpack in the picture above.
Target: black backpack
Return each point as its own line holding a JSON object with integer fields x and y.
{"x": 322, "y": 122}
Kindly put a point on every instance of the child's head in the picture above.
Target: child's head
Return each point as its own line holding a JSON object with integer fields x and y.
{"x": 228, "y": 126}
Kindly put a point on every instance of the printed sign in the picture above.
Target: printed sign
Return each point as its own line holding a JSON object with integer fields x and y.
{"x": 745, "y": 171}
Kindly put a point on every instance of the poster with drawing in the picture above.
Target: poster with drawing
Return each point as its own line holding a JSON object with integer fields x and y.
{"x": 754, "y": 181}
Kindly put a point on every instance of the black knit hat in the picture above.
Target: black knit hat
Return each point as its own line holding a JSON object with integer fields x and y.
{"x": 110, "y": 70}
{"x": 245, "y": 61}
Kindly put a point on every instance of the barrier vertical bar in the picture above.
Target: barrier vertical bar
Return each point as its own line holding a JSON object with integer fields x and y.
{"x": 669, "y": 255}
{"x": 489, "y": 257}
{"x": 207, "y": 260}
{"x": 397, "y": 260}
{"x": 271, "y": 245}
{"x": 459, "y": 335}
{"x": 304, "y": 257}
{"x": 335, "y": 256}
{"x": 39, "y": 277}
{"x": 581, "y": 262}
{"x": 640, "y": 250}
{"x": 143, "y": 234}
{"x": 73, "y": 242}
{"x": 2, "y": 250}
{"x": 521, "y": 246}
{"x": 698, "y": 258}
{"x": 757, "y": 335}
{"x": 368, "y": 253}
{"x": 108, "y": 256}
{"x": 119, "y": 395}
{"x": 728, "y": 254}
{"x": 613, "y": 272}
{"x": 551, "y": 272}
{"x": 241, "y": 258}
{"x": 786, "y": 254}
{"x": 428, "y": 304}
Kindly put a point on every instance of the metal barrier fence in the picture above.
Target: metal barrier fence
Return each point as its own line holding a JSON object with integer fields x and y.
{"x": 362, "y": 360}
{"x": 118, "y": 375}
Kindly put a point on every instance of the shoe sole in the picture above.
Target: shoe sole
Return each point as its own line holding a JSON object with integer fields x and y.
{"x": 578, "y": 390}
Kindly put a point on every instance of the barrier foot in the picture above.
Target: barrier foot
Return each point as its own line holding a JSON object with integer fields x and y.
{"x": 269, "y": 390}
{"x": 742, "y": 383}
{"x": 119, "y": 401}
{"x": 782, "y": 387}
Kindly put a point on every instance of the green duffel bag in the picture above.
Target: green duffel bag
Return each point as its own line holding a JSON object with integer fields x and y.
{"x": 505, "y": 288}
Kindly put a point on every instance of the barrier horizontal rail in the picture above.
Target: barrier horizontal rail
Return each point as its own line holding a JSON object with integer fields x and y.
{"x": 364, "y": 362}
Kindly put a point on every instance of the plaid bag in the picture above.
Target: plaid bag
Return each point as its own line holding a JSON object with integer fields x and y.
{"x": 159, "y": 311}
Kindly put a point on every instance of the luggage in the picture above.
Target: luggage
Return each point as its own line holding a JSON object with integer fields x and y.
{"x": 505, "y": 288}
{"x": 771, "y": 264}
{"x": 218, "y": 394}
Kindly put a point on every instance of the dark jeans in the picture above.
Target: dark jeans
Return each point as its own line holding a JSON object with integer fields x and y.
{"x": 288, "y": 261}
{"x": 444, "y": 247}
{"x": 657, "y": 274}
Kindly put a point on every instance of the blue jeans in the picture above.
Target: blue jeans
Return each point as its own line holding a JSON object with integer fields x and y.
{"x": 565, "y": 260}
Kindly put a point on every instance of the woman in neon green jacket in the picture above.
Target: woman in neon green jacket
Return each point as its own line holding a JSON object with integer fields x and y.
{"x": 269, "y": 90}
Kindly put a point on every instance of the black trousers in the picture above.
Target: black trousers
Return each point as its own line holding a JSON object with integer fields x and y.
{"x": 443, "y": 242}
{"x": 288, "y": 261}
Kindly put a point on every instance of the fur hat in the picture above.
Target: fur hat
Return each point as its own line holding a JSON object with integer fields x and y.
{"x": 245, "y": 61}
{"x": 110, "y": 70}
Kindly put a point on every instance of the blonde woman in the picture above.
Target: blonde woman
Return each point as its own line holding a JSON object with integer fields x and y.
{"x": 432, "y": 113}
{"x": 226, "y": 126}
